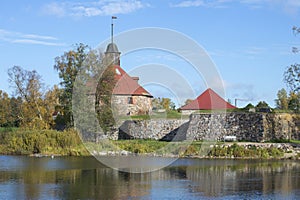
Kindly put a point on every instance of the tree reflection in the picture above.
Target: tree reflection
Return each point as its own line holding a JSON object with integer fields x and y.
{"x": 84, "y": 178}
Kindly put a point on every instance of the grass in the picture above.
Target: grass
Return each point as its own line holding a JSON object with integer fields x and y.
{"x": 147, "y": 147}
{"x": 8, "y": 129}
{"x": 170, "y": 114}
{"x": 218, "y": 111}
{"x": 295, "y": 141}
{"x": 278, "y": 141}
{"x": 140, "y": 146}
{"x": 174, "y": 114}
{"x": 283, "y": 141}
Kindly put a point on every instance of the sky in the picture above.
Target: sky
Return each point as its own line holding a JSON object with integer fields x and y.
{"x": 249, "y": 41}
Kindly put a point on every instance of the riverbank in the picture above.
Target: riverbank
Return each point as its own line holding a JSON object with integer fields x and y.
{"x": 68, "y": 143}
{"x": 237, "y": 150}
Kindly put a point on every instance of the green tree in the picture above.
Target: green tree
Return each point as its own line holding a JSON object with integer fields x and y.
{"x": 172, "y": 105}
{"x": 163, "y": 103}
{"x": 292, "y": 73}
{"x": 93, "y": 92}
{"x": 282, "y": 99}
{"x": 156, "y": 103}
{"x": 292, "y": 77}
{"x": 188, "y": 101}
{"x": 51, "y": 104}
{"x": 166, "y": 102}
{"x": 248, "y": 107}
{"x": 262, "y": 104}
{"x": 294, "y": 102}
{"x": 5, "y": 110}
{"x": 16, "y": 111}
{"x": 68, "y": 65}
{"x": 104, "y": 94}
{"x": 28, "y": 85}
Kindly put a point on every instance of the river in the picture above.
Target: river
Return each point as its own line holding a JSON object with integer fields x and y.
{"x": 24, "y": 177}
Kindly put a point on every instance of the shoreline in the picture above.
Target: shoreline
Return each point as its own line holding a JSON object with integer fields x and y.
{"x": 294, "y": 157}
{"x": 42, "y": 143}
{"x": 286, "y": 151}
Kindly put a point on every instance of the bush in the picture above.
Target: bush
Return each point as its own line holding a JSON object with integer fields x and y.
{"x": 241, "y": 152}
{"x": 275, "y": 153}
{"x": 43, "y": 141}
{"x": 263, "y": 153}
{"x": 237, "y": 151}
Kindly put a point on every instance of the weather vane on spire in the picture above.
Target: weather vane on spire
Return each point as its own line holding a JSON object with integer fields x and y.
{"x": 112, "y": 28}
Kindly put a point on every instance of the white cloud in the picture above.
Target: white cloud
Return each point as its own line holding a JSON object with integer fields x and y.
{"x": 121, "y": 7}
{"x": 203, "y": 3}
{"x": 95, "y": 8}
{"x": 289, "y": 6}
{"x": 28, "y": 41}
{"x": 17, "y": 37}
{"x": 54, "y": 9}
{"x": 195, "y": 3}
{"x": 42, "y": 37}
{"x": 255, "y": 50}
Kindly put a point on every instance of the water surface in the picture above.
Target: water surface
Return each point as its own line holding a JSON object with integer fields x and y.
{"x": 24, "y": 177}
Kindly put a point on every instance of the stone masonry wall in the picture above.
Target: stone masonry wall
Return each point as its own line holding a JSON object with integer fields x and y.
{"x": 140, "y": 105}
{"x": 255, "y": 127}
{"x": 149, "y": 129}
{"x": 244, "y": 126}
{"x": 282, "y": 126}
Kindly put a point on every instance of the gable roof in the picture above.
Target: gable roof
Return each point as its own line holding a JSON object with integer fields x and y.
{"x": 127, "y": 85}
{"x": 208, "y": 100}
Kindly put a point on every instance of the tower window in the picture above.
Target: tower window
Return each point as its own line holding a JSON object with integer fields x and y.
{"x": 130, "y": 100}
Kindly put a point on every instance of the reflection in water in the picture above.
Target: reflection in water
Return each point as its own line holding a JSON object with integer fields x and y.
{"x": 246, "y": 177}
{"x": 85, "y": 178}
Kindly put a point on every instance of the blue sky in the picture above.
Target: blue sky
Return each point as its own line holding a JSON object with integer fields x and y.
{"x": 249, "y": 41}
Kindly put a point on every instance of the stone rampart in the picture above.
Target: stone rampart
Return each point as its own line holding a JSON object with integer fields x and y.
{"x": 254, "y": 127}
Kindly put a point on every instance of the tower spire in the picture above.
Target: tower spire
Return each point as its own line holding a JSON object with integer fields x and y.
{"x": 112, "y": 53}
{"x": 112, "y": 28}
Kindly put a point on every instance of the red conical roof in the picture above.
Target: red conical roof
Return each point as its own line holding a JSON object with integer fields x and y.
{"x": 208, "y": 100}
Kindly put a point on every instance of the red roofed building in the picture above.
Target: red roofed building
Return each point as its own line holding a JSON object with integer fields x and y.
{"x": 208, "y": 100}
{"x": 129, "y": 98}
